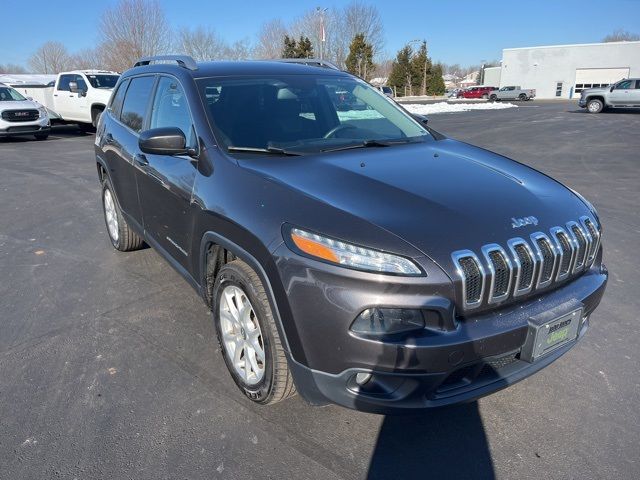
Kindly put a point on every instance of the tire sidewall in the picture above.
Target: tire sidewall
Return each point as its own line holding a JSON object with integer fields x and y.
{"x": 230, "y": 275}
{"x": 106, "y": 185}
{"x": 594, "y": 101}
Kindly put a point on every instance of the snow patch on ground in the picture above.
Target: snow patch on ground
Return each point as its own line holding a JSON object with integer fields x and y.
{"x": 444, "y": 107}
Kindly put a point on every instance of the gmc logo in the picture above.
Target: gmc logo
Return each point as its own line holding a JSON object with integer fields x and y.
{"x": 521, "y": 222}
{"x": 21, "y": 114}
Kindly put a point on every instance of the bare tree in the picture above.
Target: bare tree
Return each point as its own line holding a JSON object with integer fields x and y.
{"x": 51, "y": 57}
{"x": 201, "y": 44}
{"x": 621, "y": 35}
{"x": 270, "y": 39}
{"x": 133, "y": 29}
{"x": 12, "y": 68}
{"x": 360, "y": 17}
{"x": 86, "y": 59}
{"x": 239, "y": 50}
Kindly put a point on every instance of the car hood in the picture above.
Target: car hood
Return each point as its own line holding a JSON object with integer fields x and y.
{"x": 18, "y": 105}
{"x": 439, "y": 197}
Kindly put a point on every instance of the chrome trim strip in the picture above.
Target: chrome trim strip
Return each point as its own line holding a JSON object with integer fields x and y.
{"x": 596, "y": 241}
{"x": 555, "y": 231}
{"x": 534, "y": 240}
{"x": 513, "y": 243}
{"x": 486, "y": 250}
{"x": 578, "y": 263}
{"x": 456, "y": 256}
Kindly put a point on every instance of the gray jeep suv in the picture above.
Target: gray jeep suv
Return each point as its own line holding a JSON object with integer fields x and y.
{"x": 346, "y": 250}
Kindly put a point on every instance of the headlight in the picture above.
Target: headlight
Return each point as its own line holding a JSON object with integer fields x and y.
{"x": 43, "y": 112}
{"x": 351, "y": 256}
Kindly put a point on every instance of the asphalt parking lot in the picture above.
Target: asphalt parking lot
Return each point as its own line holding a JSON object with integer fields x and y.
{"x": 109, "y": 367}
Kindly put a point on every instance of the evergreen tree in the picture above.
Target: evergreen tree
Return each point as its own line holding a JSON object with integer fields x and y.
{"x": 421, "y": 69}
{"x": 401, "y": 73}
{"x": 290, "y": 48}
{"x": 360, "y": 58}
{"x": 304, "y": 48}
{"x": 436, "y": 83}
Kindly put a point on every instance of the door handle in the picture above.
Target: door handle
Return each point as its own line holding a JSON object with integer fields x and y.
{"x": 140, "y": 160}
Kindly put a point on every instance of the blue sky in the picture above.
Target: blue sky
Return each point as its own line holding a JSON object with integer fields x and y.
{"x": 464, "y": 32}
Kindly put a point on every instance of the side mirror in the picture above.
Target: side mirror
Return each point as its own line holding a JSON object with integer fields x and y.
{"x": 422, "y": 119}
{"x": 73, "y": 87}
{"x": 164, "y": 141}
{"x": 612, "y": 87}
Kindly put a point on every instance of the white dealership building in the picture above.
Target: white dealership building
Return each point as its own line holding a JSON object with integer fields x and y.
{"x": 563, "y": 71}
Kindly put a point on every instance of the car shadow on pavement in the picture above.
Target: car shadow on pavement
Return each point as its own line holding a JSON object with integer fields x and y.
{"x": 447, "y": 442}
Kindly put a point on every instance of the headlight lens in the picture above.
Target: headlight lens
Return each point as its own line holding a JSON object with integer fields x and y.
{"x": 43, "y": 112}
{"x": 351, "y": 256}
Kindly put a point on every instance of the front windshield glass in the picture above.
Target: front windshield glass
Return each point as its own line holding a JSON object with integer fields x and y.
{"x": 103, "y": 81}
{"x": 304, "y": 114}
{"x": 8, "y": 94}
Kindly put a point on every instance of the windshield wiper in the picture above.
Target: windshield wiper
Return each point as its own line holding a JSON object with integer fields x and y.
{"x": 272, "y": 150}
{"x": 367, "y": 144}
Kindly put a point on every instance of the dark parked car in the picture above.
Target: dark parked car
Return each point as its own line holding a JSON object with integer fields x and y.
{"x": 355, "y": 256}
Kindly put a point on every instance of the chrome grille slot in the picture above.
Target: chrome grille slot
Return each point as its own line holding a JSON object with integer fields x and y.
{"x": 499, "y": 270}
{"x": 546, "y": 257}
{"x": 525, "y": 264}
{"x": 471, "y": 272}
{"x": 593, "y": 232}
{"x": 580, "y": 241}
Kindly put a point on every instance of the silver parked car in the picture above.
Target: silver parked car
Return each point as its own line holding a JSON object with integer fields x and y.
{"x": 512, "y": 92}
{"x": 623, "y": 94}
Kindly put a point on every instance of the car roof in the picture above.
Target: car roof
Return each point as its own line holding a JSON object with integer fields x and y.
{"x": 237, "y": 68}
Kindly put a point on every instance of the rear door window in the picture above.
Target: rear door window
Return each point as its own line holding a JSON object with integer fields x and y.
{"x": 136, "y": 102}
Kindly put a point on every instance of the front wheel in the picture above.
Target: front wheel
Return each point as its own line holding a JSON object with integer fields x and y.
{"x": 121, "y": 236}
{"x": 493, "y": 98}
{"x": 595, "y": 106}
{"x": 248, "y": 336}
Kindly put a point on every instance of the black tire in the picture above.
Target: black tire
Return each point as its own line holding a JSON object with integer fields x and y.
{"x": 127, "y": 240}
{"x": 522, "y": 97}
{"x": 493, "y": 98}
{"x": 41, "y": 136}
{"x": 86, "y": 127}
{"x": 595, "y": 105}
{"x": 277, "y": 382}
{"x": 95, "y": 117}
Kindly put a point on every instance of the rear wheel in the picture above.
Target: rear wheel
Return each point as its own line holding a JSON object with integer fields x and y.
{"x": 522, "y": 97}
{"x": 121, "y": 236}
{"x": 248, "y": 336}
{"x": 595, "y": 105}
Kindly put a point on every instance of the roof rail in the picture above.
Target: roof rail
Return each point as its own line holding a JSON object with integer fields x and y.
{"x": 185, "y": 61}
{"x": 313, "y": 62}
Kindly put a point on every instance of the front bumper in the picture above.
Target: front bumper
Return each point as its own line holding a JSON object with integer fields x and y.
{"x": 12, "y": 129}
{"x": 582, "y": 102}
{"x": 478, "y": 356}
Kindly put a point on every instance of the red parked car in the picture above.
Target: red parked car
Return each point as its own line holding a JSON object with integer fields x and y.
{"x": 476, "y": 92}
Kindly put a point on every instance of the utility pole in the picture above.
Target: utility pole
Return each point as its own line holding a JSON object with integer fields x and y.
{"x": 321, "y": 12}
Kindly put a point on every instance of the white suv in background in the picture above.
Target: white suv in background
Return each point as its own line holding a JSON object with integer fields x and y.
{"x": 22, "y": 116}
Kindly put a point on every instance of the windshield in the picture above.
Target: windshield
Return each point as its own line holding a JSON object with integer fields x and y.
{"x": 103, "y": 81}
{"x": 8, "y": 94}
{"x": 304, "y": 114}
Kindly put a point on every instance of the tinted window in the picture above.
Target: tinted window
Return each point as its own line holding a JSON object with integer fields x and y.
{"x": 170, "y": 109}
{"x": 82, "y": 85}
{"x": 116, "y": 101}
{"x": 136, "y": 101}
{"x": 626, "y": 85}
{"x": 63, "y": 84}
{"x": 103, "y": 81}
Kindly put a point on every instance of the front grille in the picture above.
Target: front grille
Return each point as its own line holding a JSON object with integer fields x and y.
{"x": 527, "y": 265}
{"x": 473, "y": 279}
{"x": 28, "y": 115}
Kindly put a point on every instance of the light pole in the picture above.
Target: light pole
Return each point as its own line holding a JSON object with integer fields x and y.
{"x": 321, "y": 12}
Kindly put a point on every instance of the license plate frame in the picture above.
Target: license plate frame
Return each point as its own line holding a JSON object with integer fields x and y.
{"x": 547, "y": 336}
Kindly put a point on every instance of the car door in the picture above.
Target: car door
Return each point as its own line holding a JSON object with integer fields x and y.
{"x": 165, "y": 182}
{"x": 63, "y": 97}
{"x": 634, "y": 94}
{"x": 621, "y": 94}
{"x": 122, "y": 141}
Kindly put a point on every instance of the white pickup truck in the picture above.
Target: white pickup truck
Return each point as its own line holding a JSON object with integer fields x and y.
{"x": 75, "y": 97}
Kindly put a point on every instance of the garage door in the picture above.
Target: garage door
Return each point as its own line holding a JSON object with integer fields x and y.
{"x": 598, "y": 77}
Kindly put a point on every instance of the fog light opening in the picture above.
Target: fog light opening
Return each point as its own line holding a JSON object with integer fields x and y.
{"x": 362, "y": 378}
